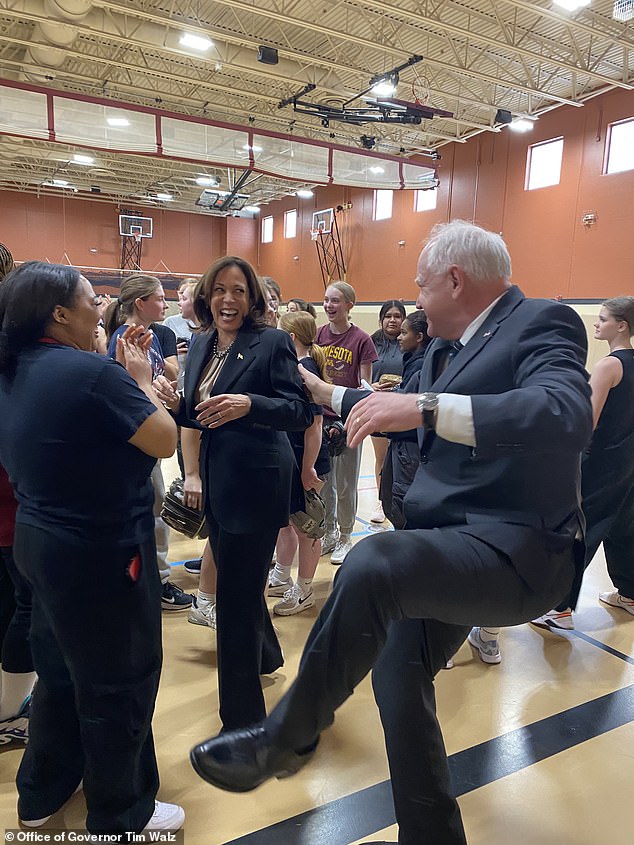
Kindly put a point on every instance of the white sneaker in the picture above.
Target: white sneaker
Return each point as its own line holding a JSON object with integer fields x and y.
{"x": 295, "y": 600}
{"x": 328, "y": 542}
{"x": 344, "y": 544}
{"x": 44, "y": 819}
{"x": 205, "y": 615}
{"x": 556, "y": 619}
{"x": 377, "y": 514}
{"x": 615, "y": 599}
{"x": 488, "y": 650}
{"x": 279, "y": 588}
{"x": 166, "y": 817}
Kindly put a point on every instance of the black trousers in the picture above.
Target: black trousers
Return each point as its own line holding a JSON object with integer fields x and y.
{"x": 96, "y": 644}
{"x": 610, "y": 520}
{"x": 247, "y": 643}
{"x": 402, "y": 603}
{"x": 15, "y": 616}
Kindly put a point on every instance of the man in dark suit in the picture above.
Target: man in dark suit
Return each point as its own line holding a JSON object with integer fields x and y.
{"x": 491, "y": 532}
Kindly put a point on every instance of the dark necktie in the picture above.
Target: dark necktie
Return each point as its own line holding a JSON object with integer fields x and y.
{"x": 445, "y": 353}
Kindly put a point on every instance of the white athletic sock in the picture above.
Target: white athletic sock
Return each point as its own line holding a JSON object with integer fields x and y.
{"x": 205, "y": 599}
{"x": 305, "y": 584}
{"x": 16, "y": 686}
{"x": 488, "y": 634}
{"x": 281, "y": 573}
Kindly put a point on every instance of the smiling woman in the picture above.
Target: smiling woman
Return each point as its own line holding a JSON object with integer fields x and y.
{"x": 243, "y": 391}
{"x": 86, "y": 547}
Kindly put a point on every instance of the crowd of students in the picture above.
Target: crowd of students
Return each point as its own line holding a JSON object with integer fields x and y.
{"x": 250, "y": 442}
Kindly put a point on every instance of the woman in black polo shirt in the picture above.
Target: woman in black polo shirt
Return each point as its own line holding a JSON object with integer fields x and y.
{"x": 86, "y": 546}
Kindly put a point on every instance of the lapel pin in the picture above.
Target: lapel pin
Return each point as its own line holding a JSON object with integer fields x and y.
{"x": 240, "y": 356}
{"x": 487, "y": 334}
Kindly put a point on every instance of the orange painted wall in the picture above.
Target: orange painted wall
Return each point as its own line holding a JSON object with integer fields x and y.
{"x": 483, "y": 180}
{"x": 65, "y": 230}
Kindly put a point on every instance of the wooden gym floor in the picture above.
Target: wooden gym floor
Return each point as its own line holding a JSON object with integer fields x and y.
{"x": 541, "y": 746}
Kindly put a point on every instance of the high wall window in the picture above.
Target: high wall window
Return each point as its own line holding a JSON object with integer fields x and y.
{"x": 543, "y": 166}
{"x": 620, "y": 147}
{"x": 425, "y": 200}
{"x": 267, "y": 230}
{"x": 383, "y": 205}
{"x": 290, "y": 224}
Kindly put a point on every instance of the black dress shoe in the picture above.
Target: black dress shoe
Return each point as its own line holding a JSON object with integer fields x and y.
{"x": 241, "y": 760}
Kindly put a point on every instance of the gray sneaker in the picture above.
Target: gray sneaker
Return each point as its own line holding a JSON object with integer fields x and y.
{"x": 295, "y": 600}
{"x": 488, "y": 650}
{"x": 329, "y": 541}
{"x": 203, "y": 615}
{"x": 344, "y": 545}
{"x": 279, "y": 588}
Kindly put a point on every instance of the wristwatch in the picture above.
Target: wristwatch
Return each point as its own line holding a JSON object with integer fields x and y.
{"x": 427, "y": 404}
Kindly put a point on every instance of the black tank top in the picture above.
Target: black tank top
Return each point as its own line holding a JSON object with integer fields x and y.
{"x": 616, "y": 423}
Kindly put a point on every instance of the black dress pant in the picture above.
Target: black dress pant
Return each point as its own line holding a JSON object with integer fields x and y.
{"x": 15, "y": 616}
{"x": 96, "y": 644}
{"x": 247, "y": 643}
{"x": 402, "y": 603}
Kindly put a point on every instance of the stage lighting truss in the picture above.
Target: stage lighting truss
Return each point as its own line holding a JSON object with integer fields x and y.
{"x": 375, "y": 109}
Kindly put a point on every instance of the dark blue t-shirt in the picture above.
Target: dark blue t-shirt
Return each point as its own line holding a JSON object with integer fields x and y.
{"x": 65, "y": 420}
{"x": 154, "y": 354}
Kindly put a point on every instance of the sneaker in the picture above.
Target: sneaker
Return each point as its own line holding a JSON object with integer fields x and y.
{"x": 166, "y": 817}
{"x": 279, "y": 588}
{"x": 328, "y": 542}
{"x": 295, "y": 600}
{"x": 205, "y": 615}
{"x": 173, "y": 598}
{"x": 44, "y": 819}
{"x": 193, "y": 566}
{"x": 341, "y": 550}
{"x": 555, "y": 619}
{"x": 615, "y": 599}
{"x": 488, "y": 650}
{"x": 16, "y": 728}
{"x": 377, "y": 514}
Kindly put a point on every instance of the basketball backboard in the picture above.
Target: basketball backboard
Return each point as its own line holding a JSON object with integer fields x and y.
{"x": 131, "y": 226}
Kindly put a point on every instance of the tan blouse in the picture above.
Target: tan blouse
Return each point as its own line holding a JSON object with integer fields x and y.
{"x": 208, "y": 377}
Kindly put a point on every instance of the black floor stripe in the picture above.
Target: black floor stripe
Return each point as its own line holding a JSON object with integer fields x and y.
{"x": 604, "y": 647}
{"x": 369, "y": 810}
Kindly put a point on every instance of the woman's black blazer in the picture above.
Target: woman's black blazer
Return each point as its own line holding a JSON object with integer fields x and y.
{"x": 247, "y": 465}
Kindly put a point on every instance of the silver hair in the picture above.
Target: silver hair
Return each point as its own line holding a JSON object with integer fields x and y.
{"x": 481, "y": 254}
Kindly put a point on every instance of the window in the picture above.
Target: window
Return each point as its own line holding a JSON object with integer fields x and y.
{"x": 267, "y": 230}
{"x": 383, "y": 205}
{"x": 620, "y": 147}
{"x": 425, "y": 200}
{"x": 543, "y": 167}
{"x": 290, "y": 224}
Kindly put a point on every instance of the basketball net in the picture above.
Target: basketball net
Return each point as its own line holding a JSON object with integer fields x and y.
{"x": 137, "y": 237}
{"x": 420, "y": 90}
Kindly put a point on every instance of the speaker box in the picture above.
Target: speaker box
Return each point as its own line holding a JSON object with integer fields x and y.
{"x": 267, "y": 55}
{"x": 503, "y": 116}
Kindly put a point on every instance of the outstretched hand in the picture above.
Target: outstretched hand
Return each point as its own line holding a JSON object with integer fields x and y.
{"x": 382, "y": 412}
{"x": 320, "y": 391}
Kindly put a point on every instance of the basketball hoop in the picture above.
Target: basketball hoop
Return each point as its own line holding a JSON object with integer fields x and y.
{"x": 420, "y": 90}
{"x": 137, "y": 237}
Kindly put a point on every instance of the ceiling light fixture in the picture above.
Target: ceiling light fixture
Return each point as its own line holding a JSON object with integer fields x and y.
{"x": 253, "y": 148}
{"x": 254, "y": 209}
{"x": 195, "y": 42}
{"x": 207, "y": 181}
{"x": 520, "y": 124}
{"x": 78, "y": 158}
{"x": 304, "y": 193}
{"x": 164, "y": 197}
{"x": 571, "y": 5}
{"x": 385, "y": 87}
{"x": 117, "y": 121}
{"x": 376, "y": 169}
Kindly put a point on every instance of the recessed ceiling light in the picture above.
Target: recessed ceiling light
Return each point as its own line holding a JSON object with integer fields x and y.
{"x": 207, "y": 181}
{"x": 78, "y": 158}
{"x": 117, "y": 121}
{"x": 571, "y": 5}
{"x": 304, "y": 193}
{"x": 376, "y": 169}
{"x": 520, "y": 124}
{"x": 195, "y": 42}
{"x": 59, "y": 183}
{"x": 164, "y": 197}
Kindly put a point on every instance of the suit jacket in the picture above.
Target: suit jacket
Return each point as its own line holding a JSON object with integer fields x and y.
{"x": 518, "y": 488}
{"x": 247, "y": 465}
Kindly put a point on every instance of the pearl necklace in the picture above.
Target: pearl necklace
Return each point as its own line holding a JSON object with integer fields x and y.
{"x": 221, "y": 353}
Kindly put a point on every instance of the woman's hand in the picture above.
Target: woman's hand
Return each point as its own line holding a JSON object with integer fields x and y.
{"x": 310, "y": 480}
{"x": 193, "y": 491}
{"x": 383, "y": 385}
{"x": 166, "y": 392}
{"x": 132, "y": 354}
{"x": 218, "y": 410}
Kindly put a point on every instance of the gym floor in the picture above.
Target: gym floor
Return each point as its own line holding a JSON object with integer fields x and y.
{"x": 541, "y": 746}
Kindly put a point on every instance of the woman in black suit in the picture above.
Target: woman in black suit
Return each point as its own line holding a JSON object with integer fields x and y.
{"x": 243, "y": 389}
